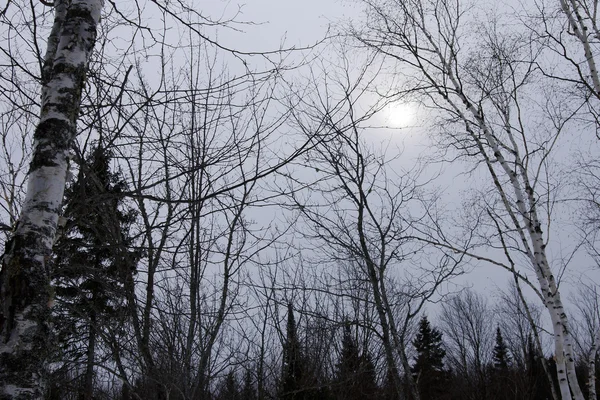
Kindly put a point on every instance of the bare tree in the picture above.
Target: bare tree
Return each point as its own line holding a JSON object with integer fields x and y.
{"x": 230, "y": 117}
{"x": 468, "y": 325}
{"x": 569, "y": 29}
{"x": 16, "y": 127}
{"x": 482, "y": 86}
{"x": 359, "y": 211}
{"x": 588, "y": 333}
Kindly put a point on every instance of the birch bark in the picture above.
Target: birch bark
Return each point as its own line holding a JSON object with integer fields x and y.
{"x": 428, "y": 34}
{"x": 25, "y": 292}
{"x": 584, "y": 27}
{"x": 591, "y": 383}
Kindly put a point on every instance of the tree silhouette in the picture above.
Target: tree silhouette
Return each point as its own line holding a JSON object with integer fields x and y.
{"x": 428, "y": 369}
{"x": 92, "y": 262}
{"x": 228, "y": 388}
{"x": 292, "y": 369}
{"x": 538, "y": 385}
{"x": 499, "y": 379}
{"x": 355, "y": 376}
{"x": 248, "y": 391}
{"x": 501, "y": 357}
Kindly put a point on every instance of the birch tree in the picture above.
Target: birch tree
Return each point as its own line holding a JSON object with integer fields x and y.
{"x": 569, "y": 29}
{"x": 238, "y": 143}
{"x": 24, "y": 280}
{"x": 482, "y": 88}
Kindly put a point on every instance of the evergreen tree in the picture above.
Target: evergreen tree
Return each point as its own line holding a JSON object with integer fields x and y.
{"x": 501, "y": 357}
{"x": 292, "y": 369}
{"x": 228, "y": 388}
{"x": 368, "y": 376}
{"x": 92, "y": 262}
{"x": 499, "y": 379}
{"x": 248, "y": 390}
{"x": 355, "y": 375}
{"x": 538, "y": 385}
{"x": 388, "y": 388}
{"x": 428, "y": 369}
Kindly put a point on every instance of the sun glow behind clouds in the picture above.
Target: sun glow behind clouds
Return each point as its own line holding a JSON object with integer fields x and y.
{"x": 401, "y": 115}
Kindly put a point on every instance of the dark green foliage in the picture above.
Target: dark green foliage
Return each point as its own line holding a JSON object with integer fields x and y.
{"x": 538, "y": 385}
{"x": 228, "y": 388}
{"x": 355, "y": 376}
{"x": 93, "y": 261}
{"x": 302, "y": 377}
{"x": 93, "y": 250}
{"x": 582, "y": 369}
{"x": 500, "y": 382}
{"x": 293, "y": 368}
{"x": 388, "y": 388}
{"x": 501, "y": 357}
{"x": 429, "y": 347}
{"x": 428, "y": 369}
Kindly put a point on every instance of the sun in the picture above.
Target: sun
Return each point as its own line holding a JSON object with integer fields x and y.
{"x": 400, "y": 115}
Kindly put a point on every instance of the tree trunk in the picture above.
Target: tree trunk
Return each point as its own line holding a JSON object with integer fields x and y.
{"x": 592, "y": 367}
{"x": 25, "y": 292}
{"x": 581, "y": 32}
{"x": 536, "y": 336}
{"x": 529, "y": 227}
{"x": 88, "y": 389}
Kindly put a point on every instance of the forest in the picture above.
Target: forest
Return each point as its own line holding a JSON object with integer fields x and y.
{"x": 342, "y": 199}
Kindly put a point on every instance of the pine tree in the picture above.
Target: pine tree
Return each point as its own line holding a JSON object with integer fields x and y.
{"x": 499, "y": 378}
{"x": 501, "y": 357}
{"x": 428, "y": 369}
{"x": 355, "y": 375}
{"x": 248, "y": 390}
{"x": 228, "y": 388}
{"x": 92, "y": 261}
{"x": 292, "y": 369}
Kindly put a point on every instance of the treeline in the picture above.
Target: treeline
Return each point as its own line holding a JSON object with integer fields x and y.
{"x": 336, "y": 351}
{"x": 350, "y": 370}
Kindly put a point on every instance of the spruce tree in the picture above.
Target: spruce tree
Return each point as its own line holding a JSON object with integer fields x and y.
{"x": 501, "y": 357}
{"x": 428, "y": 369}
{"x": 292, "y": 368}
{"x": 501, "y": 387}
{"x": 92, "y": 262}
{"x": 248, "y": 391}
{"x": 355, "y": 376}
{"x": 228, "y": 388}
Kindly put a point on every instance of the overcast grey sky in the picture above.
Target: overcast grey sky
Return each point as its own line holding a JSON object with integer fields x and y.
{"x": 302, "y": 23}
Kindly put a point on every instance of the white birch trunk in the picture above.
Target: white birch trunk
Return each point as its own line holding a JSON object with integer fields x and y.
{"x": 592, "y": 367}
{"x": 582, "y": 32}
{"x": 525, "y": 219}
{"x": 527, "y": 210}
{"x": 434, "y": 51}
{"x": 24, "y": 279}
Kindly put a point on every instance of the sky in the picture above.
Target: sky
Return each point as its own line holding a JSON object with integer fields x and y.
{"x": 291, "y": 23}
{"x": 301, "y": 23}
